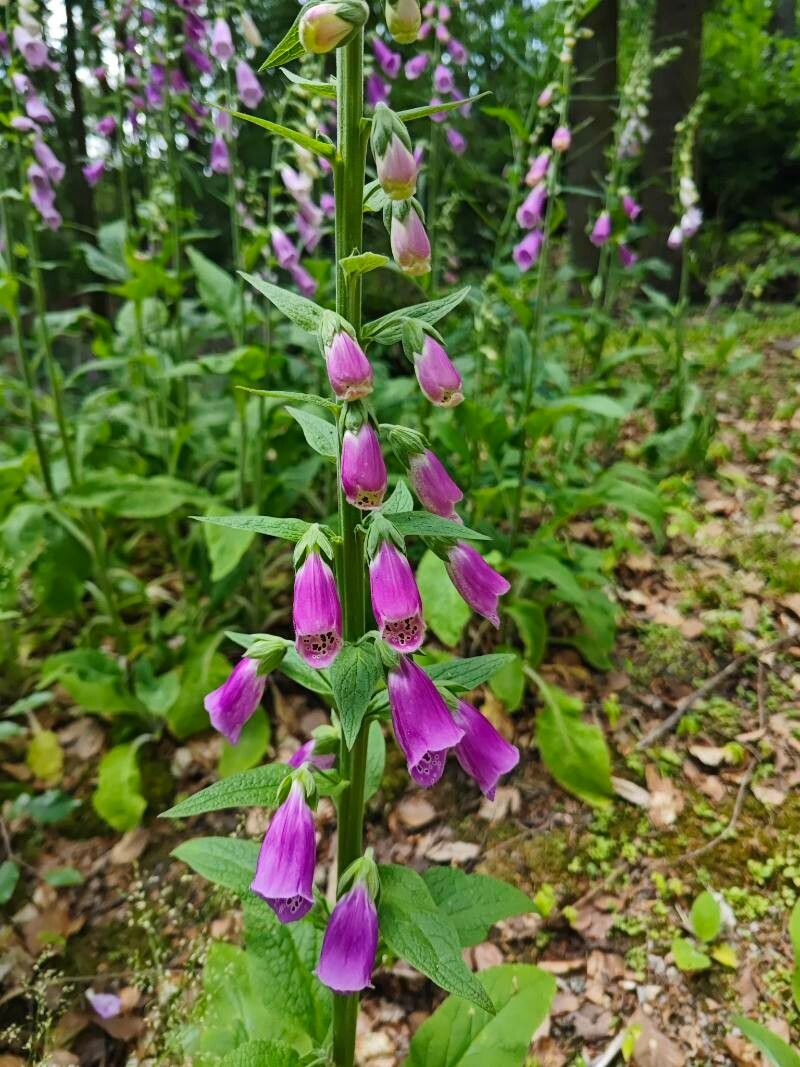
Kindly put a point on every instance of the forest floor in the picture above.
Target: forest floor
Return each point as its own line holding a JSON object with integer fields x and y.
{"x": 711, "y": 804}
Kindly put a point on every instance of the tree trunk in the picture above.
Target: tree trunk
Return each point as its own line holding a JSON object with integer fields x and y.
{"x": 592, "y": 120}
{"x": 784, "y": 21}
{"x": 677, "y": 23}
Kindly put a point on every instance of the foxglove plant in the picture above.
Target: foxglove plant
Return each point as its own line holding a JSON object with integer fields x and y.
{"x": 367, "y": 675}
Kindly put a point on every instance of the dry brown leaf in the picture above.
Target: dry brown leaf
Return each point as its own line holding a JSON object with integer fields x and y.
{"x": 415, "y": 812}
{"x": 709, "y": 784}
{"x": 667, "y": 802}
{"x": 771, "y": 795}
{"x": 129, "y": 847}
{"x": 564, "y": 1003}
{"x": 592, "y": 1023}
{"x": 742, "y": 1052}
{"x": 652, "y": 1048}
{"x": 710, "y": 755}
{"x": 631, "y": 792}
{"x": 507, "y": 801}
{"x": 486, "y": 955}
{"x": 562, "y": 966}
{"x": 122, "y": 1027}
{"x": 453, "y": 852}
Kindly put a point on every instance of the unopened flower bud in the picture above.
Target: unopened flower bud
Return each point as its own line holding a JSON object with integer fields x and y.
{"x": 562, "y": 139}
{"x": 403, "y": 19}
{"x": 601, "y": 231}
{"x": 394, "y": 160}
{"x": 329, "y": 25}
{"x": 410, "y": 245}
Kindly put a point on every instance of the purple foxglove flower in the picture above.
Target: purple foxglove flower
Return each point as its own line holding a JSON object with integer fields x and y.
{"x": 32, "y": 49}
{"x": 310, "y": 235}
{"x": 456, "y": 140}
{"x": 106, "y": 1005}
{"x": 429, "y": 10}
{"x": 349, "y": 370}
{"x": 37, "y": 110}
{"x": 220, "y": 158}
{"x": 377, "y": 90}
{"x": 422, "y": 722}
{"x": 425, "y": 31}
{"x": 437, "y": 376}
{"x": 396, "y": 602}
{"x": 442, "y": 34}
{"x": 630, "y": 207}
{"x": 403, "y": 18}
{"x": 675, "y": 239}
{"x": 21, "y": 83}
{"x": 482, "y": 752}
{"x": 419, "y": 155}
{"x": 178, "y": 81}
{"x": 247, "y": 85}
{"x": 539, "y": 169}
{"x": 4, "y": 49}
{"x": 231, "y": 705}
{"x": 42, "y": 195}
{"x": 52, "y": 219}
{"x": 363, "y": 469}
{"x": 443, "y": 81}
{"x": 295, "y": 182}
{"x": 545, "y": 97}
{"x": 194, "y": 30}
{"x": 531, "y": 210}
{"x": 158, "y": 75}
{"x": 147, "y": 16}
{"x": 601, "y": 231}
{"x": 310, "y": 212}
{"x": 198, "y": 59}
{"x": 350, "y": 943}
{"x": 435, "y": 488}
{"x": 444, "y": 13}
{"x": 390, "y": 61}
{"x": 221, "y": 41}
{"x": 417, "y": 66}
{"x": 327, "y": 203}
{"x": 397, "y": 169}
{"x": 325, "y": 26}
{"x": 93, "y": 172}
{"x": 316, "y": 612}
{"x": 410, "y": 245}
{"x": 52, "y": 166}
{"x": 478, "y": 584}
{"x": 305, "y": 754}
{"x": 23, "y": 124}
{"x": 627, "y": 256}
{"x": 458, "y": 52}
{"x": 562, "y": 139}
{"x": 303, "y": 280}
{"x": 106, "y": 126}
{"x": 437, "y": 116}
{"x": 222, "y": 122}
{"x": 690, "y": 222}
{"x": 527, "y": 251}
{"x": 285, "y": 870}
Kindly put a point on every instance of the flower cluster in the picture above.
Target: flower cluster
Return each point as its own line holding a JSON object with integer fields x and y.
{"x": 690, "y": 216}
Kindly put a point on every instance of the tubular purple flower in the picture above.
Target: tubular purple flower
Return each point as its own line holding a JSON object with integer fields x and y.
{"x": 425, "y": 31}
{"x": 53, "y": 167}
{"x": 443, "y": 80}
{"x": 221, "y": 41}
{"x": 106, "y": 1005}
{"x": 310, "y": 235}
{"x": 316, "y": 613}
{"x": 444, "y": 13}
{"x": 106, "y": 126}
{"x": 627, "y": 256}
{"x": 328, "y": 25}
{"x": 32, "y": 49}
{"x": 178, "y": 81}
{"x": 38, "y": 111}
{"x": 310, "y": 212}
{"x": 349, "y": 370}
{"x": 422, "y": 722}
{"x": 527, "y": 251}
{"x": 690, "y": 222}
{"x": 390, "y": 61}
{"x": 630, "y": 207}
{"x": 21, "y": 83}
{"x": 23, "y": 124}
{"x": 198, "y": 59}
{"x": 220, "y": 158}
{"x": 531, "y": 210}
{"x": 194, "y": 30}
{"x": 327, "y": 203}
{"x": 303, "y": 280}
{"x": 482, "y": 752}
{"x": 305, "y": 754}
{"x": 417, "y": 66}
{"x": 363, "y": 469}
{"x": 350, "y": 943}
{"x": 601, "y": 231}
{"x": 539, "y": 169}
{"x": 396, "y": 602}
{"x": 247, "y": 85}
{"x": 435, "y": 488}
{"x": 457, "y": 51}
{"x": 222, "y": 122}
{"x": 285, "y": 251}
{"x": 377, "y": 91}
{"x": 562, "y": 139}
{"x": 231, "y": 705}
{"x": 437, "y": 375}
{"x": 41, "y": 192}
{"x": 285, "y": 870}
{"x": 295, "y": 182}
{"x": 403, "y": 19}
{"x": 442, "y": 34}
{"x": 456, "y": 140}
{"x": 93, "y": 172}
{"x": 410, "y": 245}
{"x": 478, "y": 584}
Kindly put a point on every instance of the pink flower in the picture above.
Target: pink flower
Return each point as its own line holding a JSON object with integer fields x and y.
{"x": 390, "y": 61}
{"x": 601, "y": 231}
{"x": 456, "y": 140}
{"x": 316, "y": 613}
{"x": 539, "y": 169}
{"x": 396, "y": 602}
{"x": 325, "y": 26}
{"x": 93, "y": 172}
{"x": 106, "y": 126}
{"x": 443, "y": 80}
{"x": 247, "y": 85}
{"x": 37, "y": 110}
{"x": 417, "y": 66}
{"x": 630, "y": 207}
{"x": 530, "y": 211}
{"x": 33, "y": 49}
{"x": 410, "y": 245}
{"x": 457, "y": 51}
{"x": 221, "y": 41}
{"x": 627, "y": 256}
{"x": 220, "y": 158}
{"x": 349, "y": 370}
{"x": 562, "y": 139}
{"x": 377, "y": 91}
{"x": 303, "y": 280}
{"x": 478, "y": 583}
{"x": 545, "y": 97}
{"x": 527, "y": 251}
{"x": 363, "y": 470}
{"x": 437, "y": 375}
{"x": 53, "y": 167}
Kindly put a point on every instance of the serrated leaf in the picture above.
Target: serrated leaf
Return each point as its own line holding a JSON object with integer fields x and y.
{"x": 414, "y": 113}
{"x": 262, "y": 1054}
{"x": 287, "y": 49}
{"x": 416, "y": 930}
{"x": 319, "y": 434}
{"x": 226, "y": 861}
{"x": 389, "y": 328}
{"x": 423, "y": 524}
{"x": 288, "y": 529}
{"x": 706, "y": 917}
{"x": 354, "y": 675}
{"x": 468, "y": 673}
{"x": 687, "y": 957}
{"x": 474, "y": 902}
{"x": 311, "y": 144}
{"x": 299, "y": 310}
{"x": 776, "y": 1050}
{"x": 444, "y": 610}
{"x": 256, "y": 787}
{"x": 573, "y": 751}
{"x": 363, "y": 263}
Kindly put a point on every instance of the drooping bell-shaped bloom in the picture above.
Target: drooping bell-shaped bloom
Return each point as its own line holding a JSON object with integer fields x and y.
{"x": 222, "y": 122}
{"x": 33, "y": 49}
{"x": 531, "y": 210}
{"x": 389, "y": 61}
{"x": 285, "y": 870}
{"x": 106, "y": 1005}
{"x": 295, "y": 182}
{"x": 23, "y": 124}
{"x": 422, "y": 722}
{"x": 198, "y": 59}
{"x": 545, "y": 97}
{"x": 221, "y": 41}
{"x": 539, "y": 169}
{"x": 310, "y": 235}
{"x": 363, "y": 469}
{"x": 442, "y": 34}
{"x": 247, "y": 85}
{"x": 444, "y": 13}
{"x": 178, "y": 81}
{"x": 231, "y": 705}
{"x": 303, "y": 280}
{"x": 396, "y": 602}
{"x": 377, "y": 90}
{"x": 284, "y": 249}
{"x": 403, "y": 19}
{"x": 220, "y": 157}
{"x": 527, "y": 251}
{"x": 456, "y": 140}
{"x": 41, "y": 192}
{"x": 417, "y": 66}
{"x": 350, "y": 943}
{"x": 443, "y": 80}
{"x": 482, "y": 752}
{"x": 194, "y": 30}
{"x": 437, "y": 375}
{"x": 250, "y": 31}
{"x": 21, "y": 83}
{"x": 325, "y": 26}
{"x": 397, "y": 169}
{"x": 627, "y": 256}
{"x": 94, "y": 171}
{"x": 435, "y": 488}
{"x": 106, "y": 126}
{"x": 690, "y": 222}
{"x": 52, "y": 166}
{"x": 478, "y": 584}
{"x": 410, "y": 245}
{"x": 36, "y": 109}
{"x": 675, "y": 239}
{"x": 457, "y": 51}
{"x": 327, "y": 203}
{"x": 425, "y": 31}
{"x": 316, "y": 613}
{"x": 631, "y": 208}
{"x": 349, "y": 370}
{"x": 310, "y": 212}
{"x": 429, "y": 10}
{"x": 305, "y": 754}
{"x": 601, "y": 231}
{"x": 562, "y": 139}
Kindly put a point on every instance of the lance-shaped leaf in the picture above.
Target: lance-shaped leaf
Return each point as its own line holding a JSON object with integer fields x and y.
{"x": 354, "y": 675}
{"x": 270, "y": 526}
{"x": 776, "y": 1051}
{"x": 297, "y": 398}
{"x": 311, "y": 144}
{"x": 226, "y": 861}
{"x": 434, "y": 109}
{"x": 363, "y": 263}
{"x": 257, "y": 787}
{"x": 424, "y": 524}
{"x": 302, "y": 312}
{"x": 319, "y": 434}
{"x": 326, "y": 89}
{"x": 389, "y": 328}
{"x": 466, "y": 674}
{"x": 288, "y": 48}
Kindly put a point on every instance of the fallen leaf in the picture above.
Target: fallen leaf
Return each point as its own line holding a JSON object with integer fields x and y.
{"x": 591, "y": 1023}
{"x": 486, "y": 955}
{"x": 710, "y": 755}
{"x": 667, "y": 802}
{"x": 507, "y": 801}
{"x": 415, "y": 812}
{"x": 652, "y": 1048}
{"x": 631, "y": 792}
{"x": 129, "y": 847}
{"x": 770, "y": 795}
{"x": 453, "y": 852}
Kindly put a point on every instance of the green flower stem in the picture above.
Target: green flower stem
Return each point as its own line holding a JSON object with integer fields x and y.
{"x": 349, "y": 184}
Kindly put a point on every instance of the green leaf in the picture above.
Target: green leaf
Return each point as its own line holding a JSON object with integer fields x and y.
{"x": 508, "y": 684}
{"x": 363, "y": 263}
{"x": 249, "y": 749}
{"x": 474, "y": 902}
{"x": 218, "y": 290}
{"x": 63, "y": 876}
{"x": 457, "y": 1035}
{"x": 118, "y": 798}
{"x": 326, "y": 89}
{"x": 320, "y": 148}
{"x": 389, "y": 328}
{"x": 574, "y": 752}
{"x": 225, "y": 544}
{"x": 299, "y": 671}
{"x": 302, "y": 312}
{"x": 376, "y": 760}
{"x": 423, "y": 524}
{"x": 726, "y": 955}
{"x": 297, "y": 398}
{"x": 418, "y": 932}
{"x": 9, "y": 730}
{"x": 262, "y": 1054}
{"x": 319, "y": 434}
{"x": 203, "y": 670}
{"x": 157, "y": 693}
{"x": 445, "y": 612}
{"x": 9, "y": 876}
{"x": 253, "y": 788}
{"x": 400, "y": 501}
{"x": 795, "y": 983}
{"x": 706, "y": 917}
{"x": 288, "y": 529}
{"x": 510, "y": 117}
{"x": 354, "y": 675}
{"x": 794, "y": 931}
{"x": 413, "y": 113}
{"x": 469, "y": 673}
{"x": 776, "y": 1050}
{"x": 47, "y": 808}
{"x": 687, "y": 957}
{"x": 227, "y": 861}
{"x": 531, "y": 622}
{"x": 45, "y": 756}
{"x": 93, "y": 680}
{"x": 287, "y": 49}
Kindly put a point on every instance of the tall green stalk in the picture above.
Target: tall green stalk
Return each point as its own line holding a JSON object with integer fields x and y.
{"x": 349, "y": 171}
